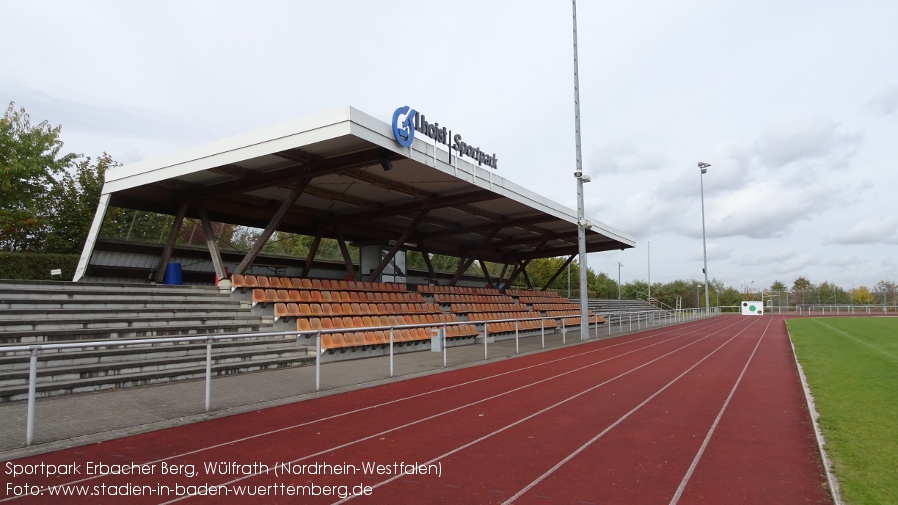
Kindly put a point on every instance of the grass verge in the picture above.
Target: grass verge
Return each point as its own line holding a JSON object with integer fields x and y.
{"x": 851, "y": 366}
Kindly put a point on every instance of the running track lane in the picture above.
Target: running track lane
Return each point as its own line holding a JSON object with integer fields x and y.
{"x": 642, "y": 364}
{"x": 337, "y": 421}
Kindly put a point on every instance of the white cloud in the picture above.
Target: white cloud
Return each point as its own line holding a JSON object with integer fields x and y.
{"x": 885, "y": 103}
{"x": 801, "y": 154}
{"x": 627, "y": 156}
{"x": 868, "y": 231}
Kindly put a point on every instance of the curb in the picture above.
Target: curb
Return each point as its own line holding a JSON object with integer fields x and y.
{"x": 833, "y": 481}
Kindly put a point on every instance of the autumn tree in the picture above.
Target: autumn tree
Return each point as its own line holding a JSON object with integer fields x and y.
{"x": 30, "y": 158}
{"x": 863, "y": 296}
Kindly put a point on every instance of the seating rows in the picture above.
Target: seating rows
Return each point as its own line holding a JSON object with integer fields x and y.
{"x": 541, "y": 307}
{"x": 261, "y": 281}
{"x": 465, "y": 308}
{"x": 575, "y": 320}
{"x": 509, "y": 326}
{"x": 531, "y": 292}
{"x": 292, "y": 309}
{"x": 358, "y": 336}
{"x": 542, "y": 299}
{"x": 450, "y": 298}
{"x": 573, "y": 316}
{"x": 270, "y": 295}
{"x": 461, "y": 290}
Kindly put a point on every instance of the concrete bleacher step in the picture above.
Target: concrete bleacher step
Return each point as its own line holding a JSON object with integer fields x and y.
{"x": 166, "y": 374}
{"x": 112, "y": 323}
{"x": 114, "y": 353}
{"x": 52, "y": 312}
{"x": 69, "y": 335}
{"x": 64, "y": 312}
{"x": 64, "y": 367}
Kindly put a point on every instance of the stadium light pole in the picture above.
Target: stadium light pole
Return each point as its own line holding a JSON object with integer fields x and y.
{"x": 581, "y": 218}
{"x": 703, "y": 168}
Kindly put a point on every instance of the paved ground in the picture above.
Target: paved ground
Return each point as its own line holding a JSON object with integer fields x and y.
{"x": 73, "y": 420}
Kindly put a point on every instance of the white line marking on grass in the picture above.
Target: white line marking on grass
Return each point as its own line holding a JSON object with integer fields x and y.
{"x": 856, "y": 339}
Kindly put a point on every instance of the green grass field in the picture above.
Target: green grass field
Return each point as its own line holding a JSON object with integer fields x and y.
{"x": 852, "y": 369}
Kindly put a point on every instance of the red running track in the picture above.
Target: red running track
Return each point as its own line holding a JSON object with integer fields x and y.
{"x": 706, "y": 412}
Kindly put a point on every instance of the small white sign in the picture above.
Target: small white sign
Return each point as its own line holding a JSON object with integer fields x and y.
{"x": 752, "y": 309}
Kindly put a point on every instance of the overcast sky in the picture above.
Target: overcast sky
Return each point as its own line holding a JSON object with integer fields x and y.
{"x": 794, "y": 104}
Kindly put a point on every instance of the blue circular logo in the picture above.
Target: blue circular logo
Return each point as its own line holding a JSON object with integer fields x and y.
{"x": 404, "y": 131}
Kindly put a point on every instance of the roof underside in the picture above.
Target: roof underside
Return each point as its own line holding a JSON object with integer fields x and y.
{"x": 336, "y": 163}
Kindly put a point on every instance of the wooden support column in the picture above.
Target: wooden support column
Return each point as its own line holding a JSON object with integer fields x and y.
{"x": 313, "y": 250}
{"x": 211, "y": 241}
{"x": 347, "y": 259}
{"x": 159, "y": 274}
{"x": 502, "y": 275}
{"x": 400, "y": 242}
{"x": 486, "y": 273}
{"x": 463, "y": 265}
{"x": 558, "y": 272}
{"x": 272, "y": 226}
{"x": 514, "y": 274}
{"x": 527, "y": 277}
{"x": 430, "y": 269}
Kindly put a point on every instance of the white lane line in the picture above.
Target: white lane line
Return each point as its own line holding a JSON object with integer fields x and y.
{"x": 455, "y": 409}
{"x": 620, "y": 420}
{"x": 701, "y": 450}
{"x": 395, "y": 401}
{"x": 542, "y": 411}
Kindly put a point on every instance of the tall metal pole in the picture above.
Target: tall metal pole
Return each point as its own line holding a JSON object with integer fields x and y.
{"x": 649, "y": 244}
{"x": 618, "y": 280}
{"x": 703, "y": 167}
{"x": 581, "y": 218}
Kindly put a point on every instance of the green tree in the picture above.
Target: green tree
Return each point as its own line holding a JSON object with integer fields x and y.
{"x": 801, "y": 290}
{"x": 731, "y": 297}
{"x": 601, "y": 285}
{"x": 30, "y": 157}
{"x": 74, "y": 199}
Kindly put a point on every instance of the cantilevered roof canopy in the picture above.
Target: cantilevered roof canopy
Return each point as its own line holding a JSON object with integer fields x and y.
{"x": 349, "y": 179}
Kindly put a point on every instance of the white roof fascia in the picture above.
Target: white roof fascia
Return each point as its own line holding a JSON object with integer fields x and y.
{"x": 231, "y": 150}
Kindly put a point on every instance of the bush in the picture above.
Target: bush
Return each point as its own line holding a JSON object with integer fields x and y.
{"x": 36, "y": 266}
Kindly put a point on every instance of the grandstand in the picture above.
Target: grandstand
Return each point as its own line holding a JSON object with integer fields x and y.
{"x": 266, "y": 311}
{"x": 341, "y": 176}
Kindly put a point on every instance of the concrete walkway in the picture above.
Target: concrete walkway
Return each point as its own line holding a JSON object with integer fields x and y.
{"x": 79, "y": 419}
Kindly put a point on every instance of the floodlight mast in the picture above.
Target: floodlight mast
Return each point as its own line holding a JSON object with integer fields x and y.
{"x": 581, "y": 218}
{"x": 703, "y": 168}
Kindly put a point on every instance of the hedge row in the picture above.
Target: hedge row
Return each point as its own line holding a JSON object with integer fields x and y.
{"x": 37, "y": 266}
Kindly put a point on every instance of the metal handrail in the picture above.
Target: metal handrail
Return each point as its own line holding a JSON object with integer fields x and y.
{"x": 34, "y": 349}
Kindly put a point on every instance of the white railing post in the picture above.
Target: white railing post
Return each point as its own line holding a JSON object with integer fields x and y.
{"x": 517, "y": 347}
{"x": 32, "y": 391}
{"x": 485, "y": 336}
{"x": 445, "y": 340}
{"x": 318, "y": 361}
{"x": 391, "y": 351}
{"x": 542, "y": 332}
{"x": 208, "y": 374}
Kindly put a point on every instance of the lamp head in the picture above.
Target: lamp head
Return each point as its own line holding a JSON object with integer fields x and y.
{"x": 703, "y": 166}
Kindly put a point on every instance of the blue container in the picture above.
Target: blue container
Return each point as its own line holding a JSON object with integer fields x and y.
{"x": 173, "y": 274}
